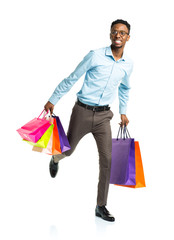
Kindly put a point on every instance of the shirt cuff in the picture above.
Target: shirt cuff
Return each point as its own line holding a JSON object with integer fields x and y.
{"x": 122, "y": 110}
{"x": 53, "y": 99}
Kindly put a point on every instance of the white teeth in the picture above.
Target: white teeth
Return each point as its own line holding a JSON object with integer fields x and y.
{"x": 117, "y": 41}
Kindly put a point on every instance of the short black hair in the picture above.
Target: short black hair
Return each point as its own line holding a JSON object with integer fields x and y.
{"x": 121, "y": 21}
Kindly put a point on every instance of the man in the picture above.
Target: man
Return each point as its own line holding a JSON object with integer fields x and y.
{"x": 106, "y": 69}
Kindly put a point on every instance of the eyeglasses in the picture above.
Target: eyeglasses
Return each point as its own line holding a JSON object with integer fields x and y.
{"x": 122, "y": 33}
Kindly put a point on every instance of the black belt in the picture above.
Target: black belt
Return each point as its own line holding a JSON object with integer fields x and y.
{"x": 94, "y": 108}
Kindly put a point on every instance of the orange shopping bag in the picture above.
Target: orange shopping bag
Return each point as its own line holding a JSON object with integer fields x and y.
{"x": 139, "y": 173}
{"x": 56, "y": 141}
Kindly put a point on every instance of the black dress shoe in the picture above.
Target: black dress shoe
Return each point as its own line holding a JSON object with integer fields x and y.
{"x": 104, "y": 213}
{"x": 53, "y": 168}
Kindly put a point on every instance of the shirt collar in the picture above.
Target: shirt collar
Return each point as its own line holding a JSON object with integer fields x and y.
{"x": 109, "y": 53}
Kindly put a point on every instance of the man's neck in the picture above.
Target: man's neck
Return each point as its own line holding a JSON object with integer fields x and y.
{"x": 117, "y": 52}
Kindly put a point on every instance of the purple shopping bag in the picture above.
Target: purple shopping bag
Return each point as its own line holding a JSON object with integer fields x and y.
{"x": 64, "y": 143}
{"x": 123, "y": 161}
{"x": 33, "y": 130}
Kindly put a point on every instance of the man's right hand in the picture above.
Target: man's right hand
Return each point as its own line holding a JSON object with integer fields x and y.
{"x": 49, "y": 106}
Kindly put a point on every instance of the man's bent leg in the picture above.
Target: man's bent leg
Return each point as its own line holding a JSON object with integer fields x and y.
{"x": 79, "y": 126}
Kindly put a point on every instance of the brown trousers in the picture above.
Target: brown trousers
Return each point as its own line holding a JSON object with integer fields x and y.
{"x": 85, "y": 121}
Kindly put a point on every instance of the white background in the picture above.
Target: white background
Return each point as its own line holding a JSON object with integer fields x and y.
{"x": 41, "y": 43}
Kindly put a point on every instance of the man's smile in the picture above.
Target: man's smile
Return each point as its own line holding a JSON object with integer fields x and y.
{"x": 117, "y": 41}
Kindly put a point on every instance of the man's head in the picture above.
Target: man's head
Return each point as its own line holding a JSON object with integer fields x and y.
{"x": 119, "y": 34}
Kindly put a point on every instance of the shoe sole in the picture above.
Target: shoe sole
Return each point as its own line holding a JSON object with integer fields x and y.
{"x": 98, "y": 215}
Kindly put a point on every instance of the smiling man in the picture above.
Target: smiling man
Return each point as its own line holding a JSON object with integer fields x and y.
{"x": 106, "y": 69}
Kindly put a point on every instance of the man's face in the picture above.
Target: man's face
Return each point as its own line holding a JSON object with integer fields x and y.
{"x": 119, "y": 35}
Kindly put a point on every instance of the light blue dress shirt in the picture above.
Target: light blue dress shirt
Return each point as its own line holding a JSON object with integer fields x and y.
{"x": 103, "y": 75}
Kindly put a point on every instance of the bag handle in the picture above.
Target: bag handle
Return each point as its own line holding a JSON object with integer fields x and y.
{"x": 127, "y": 133}
{"x": 42, "y": 113}
{"x": 119, "y": 132}
{"x": 53, "y": 115}
{"x": 124, "y": 133}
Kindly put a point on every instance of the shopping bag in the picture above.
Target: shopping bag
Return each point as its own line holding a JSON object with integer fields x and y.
{"x": 139, "y": 173}
{"x": 123, "y": 160}
{"x": 33, "y": 130}
{"x": 56, "y": 140}
{"x": 43, "y": 141}
{"x": 64, "y": 143}
{"x": 48, "y": 150}
{"x": 53, "y": 147}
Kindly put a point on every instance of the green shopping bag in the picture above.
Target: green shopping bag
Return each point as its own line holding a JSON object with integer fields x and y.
{"x": 43, "y": 141}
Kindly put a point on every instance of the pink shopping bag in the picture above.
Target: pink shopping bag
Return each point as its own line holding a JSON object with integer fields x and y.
{"x": 33, "y": 130}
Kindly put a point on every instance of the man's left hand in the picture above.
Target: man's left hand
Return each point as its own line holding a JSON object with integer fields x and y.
{"x": 124, "y": 120}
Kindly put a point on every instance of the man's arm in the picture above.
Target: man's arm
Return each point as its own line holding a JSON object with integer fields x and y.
{"x": 68, "y": 82}
{"x": 123, "y": 94}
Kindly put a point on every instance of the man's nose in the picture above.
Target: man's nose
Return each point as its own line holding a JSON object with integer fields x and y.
{"x": 118, "y": 34}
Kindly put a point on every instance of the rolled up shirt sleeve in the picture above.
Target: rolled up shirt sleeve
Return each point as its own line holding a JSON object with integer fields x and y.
{"x": 67, "y": 83}
{"x": 123, "y": 91}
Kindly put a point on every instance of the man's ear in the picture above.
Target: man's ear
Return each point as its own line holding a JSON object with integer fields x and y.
{"x": 128, "y": 37}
